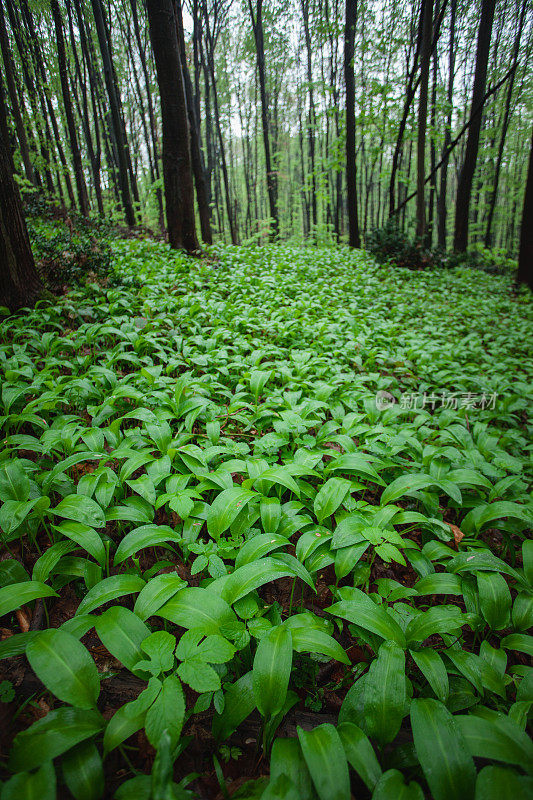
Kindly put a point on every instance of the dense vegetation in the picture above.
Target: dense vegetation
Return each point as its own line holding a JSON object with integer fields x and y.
{"x": 265, "y": 399}
{"x": 234, "y": 564}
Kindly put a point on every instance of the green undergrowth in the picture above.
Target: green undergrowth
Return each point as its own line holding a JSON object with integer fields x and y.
{"x": 275, "y": 487}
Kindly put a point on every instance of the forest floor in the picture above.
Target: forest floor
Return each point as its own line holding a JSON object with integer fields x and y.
{"x": 253, "y": 443}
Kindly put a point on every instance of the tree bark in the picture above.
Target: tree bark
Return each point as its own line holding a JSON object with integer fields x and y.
{"x": 116, "y": 116}
{"x": 466, "y": 177}
{"x": 442, "y": 206}
{"x": 425, "y": 57}
{"x": 271, "y": 174}
{"x": 20, "y": 285}
{"x": 177, "y": 168}
{"x": 351, "y": 167}
{"x": 83, "y": 200}
{"x": 525, "y": 258}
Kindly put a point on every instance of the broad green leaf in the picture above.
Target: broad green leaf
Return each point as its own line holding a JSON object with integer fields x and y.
{"x": 385, "y": 693}
{"x": 499, "y": 783}
{"x": 439, "y": 619}
{"x": 109, "y": 589}
{"x": 167, "y": 713}
{"x": 53, "y": 735}
{"x": 86, "y": 537}
{"x": 360, "y": 753}
{"x": 494, "y": 599}
{"x": 122, "y": 633}
{"x": 308, "y": 640}
{"x": 442, "y": 751}
{"x": 156, "y": 593}
{"x": 40, "y": 785}
{"x": 82, "y": 509}
{"x": 18, "y": 594}
{"x": 432, "y": 668}
{"x": 359, "y": 609}
{"x": 144, "y": 536}
{"x": 330, "y": 496}
{"x": 194, "y": 607}
{"x": 271, "y": 670}
{"x": 239, "y": 704}
{"x": 259, "y": 546}
{"x": 326, "y": 761}
{"x": 407, "y": 484}
{"x": 83, "y": 772}
{"x": 250, "y": 576}
{"x": 65, "y": 667}
{"x": 391, "y": 786}
{"x": 498, "y": 738}
{"x": 225, "y": 507}
{"x": 287, "y": 759}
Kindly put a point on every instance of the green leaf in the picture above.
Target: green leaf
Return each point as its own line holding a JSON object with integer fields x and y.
{"x": 19, "y": 594}
{"x": 442, "y": 751}
{"x": 494, "y": 599}
{"x": 258, "y": 546}
{"x": 250, "y": 576}
{"x": 358, "y": 608}
{"x": 391, "y": 786}
{"x": 239, "y": 702}
{"x": 156, "y": 593}
{"x": 81, "y": 509}
{"x": 271, "y": 670}
{"x": 330, "y": 496}
{"x": 167, "y": 713}
{"x": 385, "y": 693}
{"x": 40, "y": 785}
{"x": 109, "y": 589}
{"x": 308, "y": 640}
{"x": 270, "y": 508}
{"x": 85, "y": 537}
{"x": 499, "y": 783}
{"x": 52, "y": 736}
{"x": 439, "y": 583}
{"x": 518, "y": 641}
{"x": 83, "y": 772}
{"x": 498, "y": 738}
{"x": 144, "y": 536}
{"x": 407, "y": 484}
{"x": 122, "y": 633}
{"x": 432, "y": 668}
{"x": 65, "y": 667}
{"x": 360, "y": 753}
{"x": 225, "y": 508}
{"x": 194, "y": 607}
{"x": 439, "y": 619}
{"x": 287, "y": 760}
{"x": 326, "y": 761}
{"x": 200, "y": 676}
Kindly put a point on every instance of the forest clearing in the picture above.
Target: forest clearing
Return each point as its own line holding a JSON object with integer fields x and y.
{"x": 266, "y": 382}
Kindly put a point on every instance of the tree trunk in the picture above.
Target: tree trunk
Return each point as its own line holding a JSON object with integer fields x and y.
{"x": 271, "y": 174}
{"x": 69, "y": 111}
{"x": 351, "y": 168}
{"x": 116, "y": 116}
{"x": 425, "y": 57}
{"x": 177, "y": 169}
{"x": 442, "y": 207}
{"x": 13, "y": 97}
{"x": 466, "y": 177}
{"x": 525, "y": 258}
{"x": 198, "y": 168}
{"x": 20, "y": 285}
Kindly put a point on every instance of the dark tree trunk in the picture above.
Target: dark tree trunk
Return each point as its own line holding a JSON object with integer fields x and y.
{"x": 69, "y": 111}
{"x": 351, "y": 167}
{"x": 505, "y": 126}
{"x": 271, "y": 174}
{"x": 20, "y": 285}
{"x": 425, "y": 57}
{"x": 525, "y": 258}
{"x": 311, "y": 125}
{"x": 13, "y": 98}
{"x": 442, "y": 207}
{"x": 466, "y": 177}
{"x": 116, "y": 116}
{"x": 177, "y": 168}
{"x": 198, "y": 167}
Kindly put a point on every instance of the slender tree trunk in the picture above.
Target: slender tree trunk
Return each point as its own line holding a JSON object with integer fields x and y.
{"x": 466, "y": 177}
{"x": 198, "y": 168}
{"x": 504, "y": 128}
{"x": 83, "y": 200}
{"x": 271, "y": 173}
{"x": 13, "y": 97}
{"x": 442, "y": 205}
{"x": 311, "y": 125}
{"x": 20, "y": 285}
{"x": 177, "y": 168}
{"x": 351, "y": 168}
{"x": 116, "y": 116}
{"x": 525, "y": 258}
{"x": 425, "y": 58}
